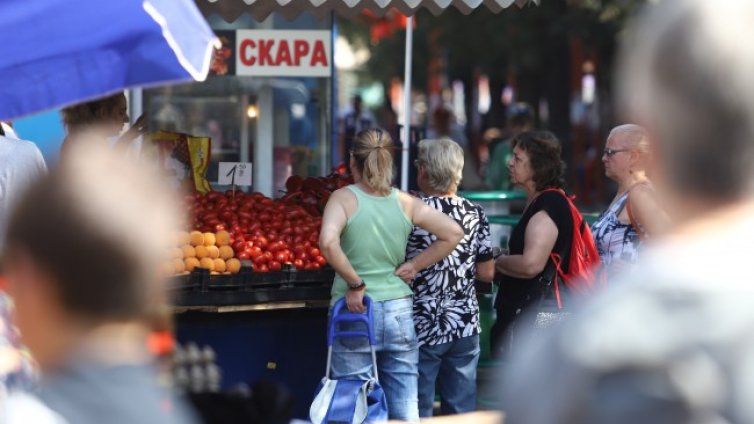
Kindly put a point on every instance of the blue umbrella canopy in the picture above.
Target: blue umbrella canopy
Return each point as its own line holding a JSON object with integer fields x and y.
{"x": 58, "y": 52}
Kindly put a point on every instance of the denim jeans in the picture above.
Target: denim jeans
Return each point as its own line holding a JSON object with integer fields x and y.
{"x": 453, "y": 366}
{"x": 397, "y": 356}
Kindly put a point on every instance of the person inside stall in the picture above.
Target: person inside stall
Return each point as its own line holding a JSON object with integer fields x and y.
{"x": 545, "y": 227}
{"x": 354, "y": 120}
{"x": 107, "y": 116}
{"x": 364, "y": 234}
{"x": 445, "y": 124}
{"x": 446, "y": 310}
{"x": 81, "y": 259}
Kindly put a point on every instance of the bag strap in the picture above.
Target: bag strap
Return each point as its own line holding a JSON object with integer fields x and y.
{"x": 632, "y": 218}
{"x": 552, "y": 274}
{"x": 361, "y": 410}
{"x": 323, "y": 399}
{"x": 553, "y": 270}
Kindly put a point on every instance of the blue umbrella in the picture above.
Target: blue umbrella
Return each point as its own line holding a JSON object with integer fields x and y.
{"x": 58, "y": 52}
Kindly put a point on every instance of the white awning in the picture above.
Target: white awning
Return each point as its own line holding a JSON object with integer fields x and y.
{"x": 230, "y": 10}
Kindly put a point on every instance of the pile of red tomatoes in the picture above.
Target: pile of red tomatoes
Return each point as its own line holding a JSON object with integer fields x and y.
{"x": 266, "y": 234}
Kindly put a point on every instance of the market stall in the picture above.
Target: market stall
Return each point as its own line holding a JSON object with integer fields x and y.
{"x": 267, "y": 108}
{"x": 248, "y": 277}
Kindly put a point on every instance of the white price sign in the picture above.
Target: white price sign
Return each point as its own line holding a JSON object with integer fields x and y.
{"x": 234, "y": 173}
{"x": 280, "y": 53}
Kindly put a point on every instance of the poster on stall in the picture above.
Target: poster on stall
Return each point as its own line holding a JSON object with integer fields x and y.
{"x": 274, "y": 53}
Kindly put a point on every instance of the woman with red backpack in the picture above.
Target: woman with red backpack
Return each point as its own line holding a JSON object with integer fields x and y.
{"x": 550, "y": 251}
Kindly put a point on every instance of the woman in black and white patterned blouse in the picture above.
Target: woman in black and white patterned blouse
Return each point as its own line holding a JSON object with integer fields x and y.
{"x": 446, "y": 312}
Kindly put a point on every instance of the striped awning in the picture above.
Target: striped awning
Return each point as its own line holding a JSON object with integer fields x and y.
{"x": 230, "y": 10}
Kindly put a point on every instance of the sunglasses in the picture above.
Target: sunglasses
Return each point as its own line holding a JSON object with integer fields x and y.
{"x": 612, "y": 152}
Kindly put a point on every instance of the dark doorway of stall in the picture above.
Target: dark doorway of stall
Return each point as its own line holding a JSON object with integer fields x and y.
{"x": 283, "y": 346}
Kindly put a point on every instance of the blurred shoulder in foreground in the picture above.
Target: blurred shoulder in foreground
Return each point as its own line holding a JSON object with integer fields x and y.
{"x": 669, "y": 345}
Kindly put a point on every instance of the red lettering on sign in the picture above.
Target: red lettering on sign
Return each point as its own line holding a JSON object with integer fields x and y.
{"x": 300, "y": 49}
{"x": 245, "y": 52}
{"x": 318, "y": 55}
{"x": 284, "y": 55}
{"x": 265, "y": 58}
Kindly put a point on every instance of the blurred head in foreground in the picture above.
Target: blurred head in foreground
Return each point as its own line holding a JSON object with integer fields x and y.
{"x": 83, "y": 249}
{"x": 107, "y": 114}
{"x": 671, "y": 343}
{"x": 686, "y": 77}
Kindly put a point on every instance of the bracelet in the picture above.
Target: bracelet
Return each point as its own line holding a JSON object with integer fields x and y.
{"x": 361, "y": 286}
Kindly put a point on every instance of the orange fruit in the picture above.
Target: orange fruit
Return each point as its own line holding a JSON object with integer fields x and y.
{"x": 219, "y": 265}
{"x": 213, "y": 251}
{"x": 233, "y": 265}
{"x": 201, "y": 251}
{"x": 222, "y": 238}
{"x": 226, "y": 252}
{"x": 191, "y": 263}
{"x": 209, "y": 239}
{"x": 207, "y": 263}
{"x": 179, "y": 266}
{"x": 188, "y": 251}
{"x": 196, "y": 238}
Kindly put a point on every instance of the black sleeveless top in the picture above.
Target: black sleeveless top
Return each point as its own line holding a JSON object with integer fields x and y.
{"x": 514, "y": 291}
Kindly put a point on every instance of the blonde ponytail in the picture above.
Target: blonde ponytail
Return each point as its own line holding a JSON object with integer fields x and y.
{"x": 372, "y": 152}
{"x": 378, "y": 169}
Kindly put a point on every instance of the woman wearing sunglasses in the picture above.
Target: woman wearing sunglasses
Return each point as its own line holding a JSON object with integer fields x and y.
{"x": 634, "y": 214}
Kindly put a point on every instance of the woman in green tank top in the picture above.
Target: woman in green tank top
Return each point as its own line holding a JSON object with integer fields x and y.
{"x": 365, "y": 229}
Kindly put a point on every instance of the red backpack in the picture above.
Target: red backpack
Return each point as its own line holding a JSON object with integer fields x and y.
{"x": 581, "y": 277}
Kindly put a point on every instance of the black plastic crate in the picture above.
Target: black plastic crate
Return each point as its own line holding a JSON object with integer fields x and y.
{"x": 256, "y": 280}
{"x": 185, "y": 282}
{"x": 201, "y": 280}
{"x": 230, "y": 282}
{"x": 322, "y": 276}
{"x": 311, "y": 296}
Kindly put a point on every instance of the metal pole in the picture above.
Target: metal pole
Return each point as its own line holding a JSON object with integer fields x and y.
{"x": 263, "y": 167}
{"x": 136, "y": 104}
{"x": 244, "y": 142}
{"x": 406, "y": 133}
{"x": 333, "y": 121}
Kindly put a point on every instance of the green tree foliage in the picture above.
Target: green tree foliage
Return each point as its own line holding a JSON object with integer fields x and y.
{"x": 528, "y": 44}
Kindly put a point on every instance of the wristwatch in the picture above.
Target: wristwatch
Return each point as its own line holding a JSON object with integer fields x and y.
{"x": 361, "y": 286}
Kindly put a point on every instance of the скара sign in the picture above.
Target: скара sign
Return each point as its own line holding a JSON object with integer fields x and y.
{"x": 283, "y": 53}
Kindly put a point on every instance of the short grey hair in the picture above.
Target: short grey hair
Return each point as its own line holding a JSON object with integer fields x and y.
{"x": 634, "y": 135}
{"x": 686, "y": 72}
{"x": 443, "y": 162}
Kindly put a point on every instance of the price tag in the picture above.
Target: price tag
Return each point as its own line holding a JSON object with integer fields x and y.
{"x": 234, "y": 173}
